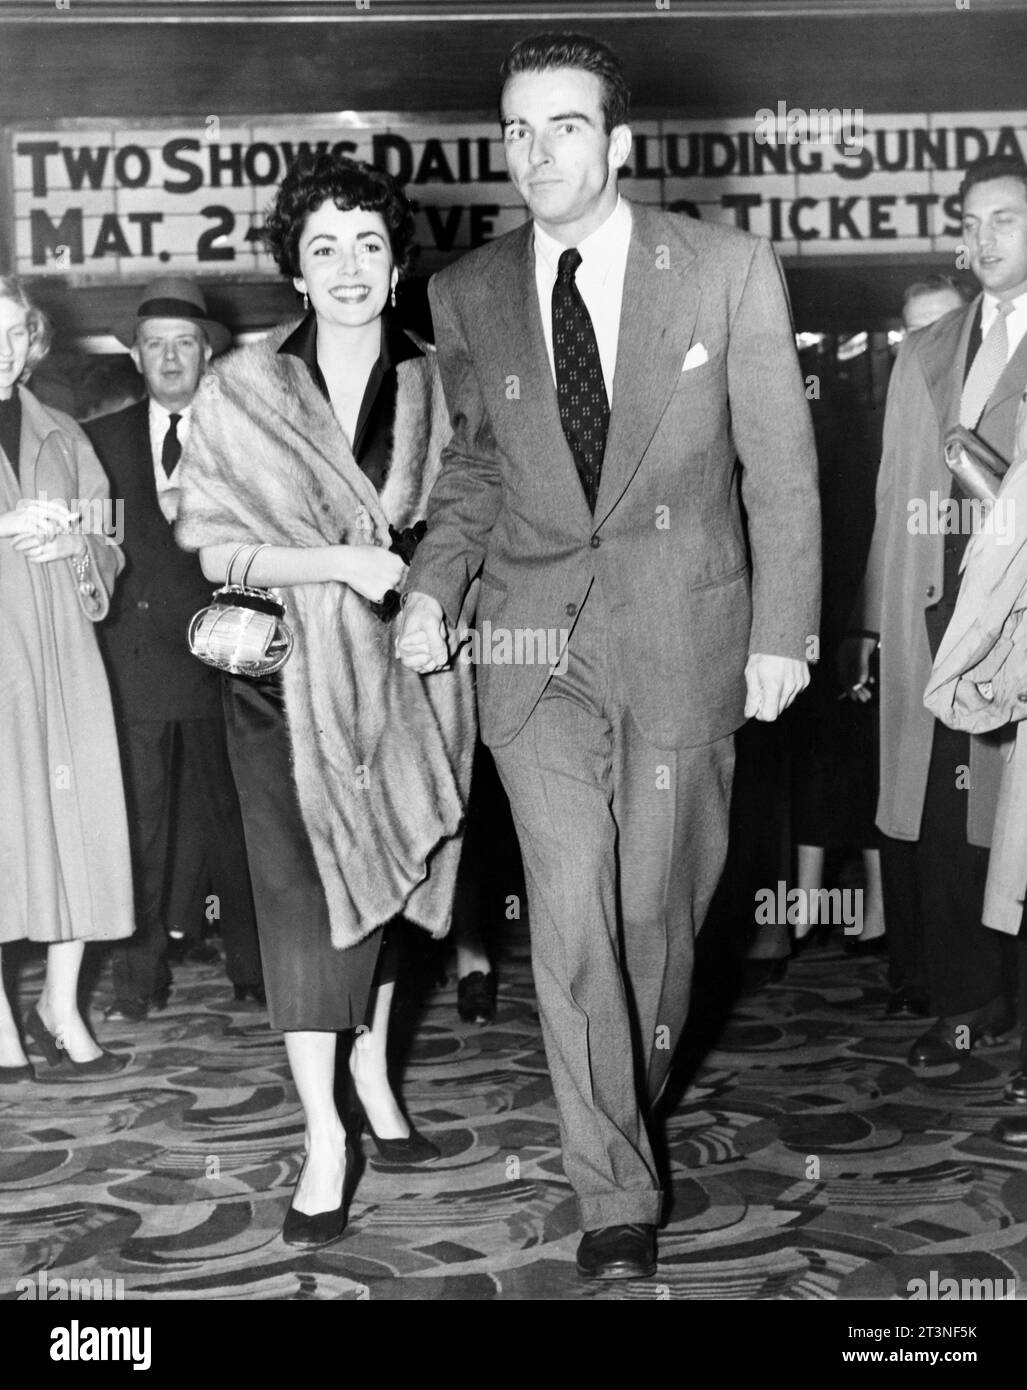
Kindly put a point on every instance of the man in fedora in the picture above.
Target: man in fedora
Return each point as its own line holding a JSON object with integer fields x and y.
{"x": 188, "y": 850}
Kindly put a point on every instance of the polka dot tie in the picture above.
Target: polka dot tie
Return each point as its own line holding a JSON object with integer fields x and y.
{"x": 580, "y": 389}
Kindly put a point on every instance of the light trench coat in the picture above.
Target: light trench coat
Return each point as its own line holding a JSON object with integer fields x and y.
{"x": 64, "y": 853}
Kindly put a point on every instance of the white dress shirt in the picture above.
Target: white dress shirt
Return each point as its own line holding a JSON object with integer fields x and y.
{"x": 167, "y": 488}
{"x": 600, "y": 282}
{"x": 1016, "y": 320}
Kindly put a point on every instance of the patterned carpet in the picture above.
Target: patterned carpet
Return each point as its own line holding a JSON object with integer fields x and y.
{"x": 806, "y": 1160}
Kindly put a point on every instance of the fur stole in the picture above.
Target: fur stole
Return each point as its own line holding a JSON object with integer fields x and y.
{"x": 381, "y": 756}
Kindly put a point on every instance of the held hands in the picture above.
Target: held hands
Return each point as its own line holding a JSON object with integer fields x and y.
{"x": 423, "y": 639}
{"x": 853, "y": 666}
{"x": 772, "y": 683}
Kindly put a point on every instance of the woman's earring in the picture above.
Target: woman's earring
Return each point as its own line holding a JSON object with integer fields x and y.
{"x": 306, "y": 302}
{"x": 392, "y": 297}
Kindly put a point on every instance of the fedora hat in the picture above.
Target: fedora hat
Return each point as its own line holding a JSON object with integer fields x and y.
{"x": 173, "y": 297}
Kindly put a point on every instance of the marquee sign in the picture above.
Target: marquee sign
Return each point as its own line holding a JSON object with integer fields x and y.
{"x": 100, "y": 199}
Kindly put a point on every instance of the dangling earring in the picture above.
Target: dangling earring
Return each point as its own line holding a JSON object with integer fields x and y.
{"x": 306, "y": 302}
{"x": 392, "y": 297}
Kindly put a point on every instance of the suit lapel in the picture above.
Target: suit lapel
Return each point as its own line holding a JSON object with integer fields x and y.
{"x": 944, "y": 358}
{"x": 142, "y": 453}
{"x": 651, "y": 347}
{"x": 515, "y": 339}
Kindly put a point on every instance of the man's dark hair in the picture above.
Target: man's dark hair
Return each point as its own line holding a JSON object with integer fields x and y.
{"x": 348, "y": 183}
{"x": 543, "y": 52}
{"x": 932, "y": 284}
{"x": 991, "y": 167}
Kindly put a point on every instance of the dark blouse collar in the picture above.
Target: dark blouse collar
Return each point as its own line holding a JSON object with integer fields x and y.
{"x": 397, "y": 346}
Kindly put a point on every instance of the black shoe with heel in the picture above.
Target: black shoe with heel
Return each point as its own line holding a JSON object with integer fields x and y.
{"x": 399, "y": 1152}
{"x": 323, "y": 1227}
{"x": 107, "y": 1064}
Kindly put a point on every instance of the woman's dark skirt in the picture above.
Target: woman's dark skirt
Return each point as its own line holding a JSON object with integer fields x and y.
{"x": 311, "y": 986}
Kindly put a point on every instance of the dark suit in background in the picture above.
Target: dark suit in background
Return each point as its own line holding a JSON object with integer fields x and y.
{"x": 184, "y": 815}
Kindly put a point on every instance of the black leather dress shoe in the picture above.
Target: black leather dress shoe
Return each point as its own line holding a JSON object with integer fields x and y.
{"x": 1016, "y": 1088}
{"x": 136, "y": 1010}
{"x": 618, "y": 1252}
{"x": 905, "y": 1003}
{"x": 1012, "y": 1132}
{"x": 937, "y": 1047}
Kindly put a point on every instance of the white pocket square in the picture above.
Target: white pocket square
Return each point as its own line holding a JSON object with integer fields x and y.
{"x": 695, "y": 357}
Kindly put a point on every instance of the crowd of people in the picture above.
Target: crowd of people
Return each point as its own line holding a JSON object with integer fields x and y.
{"x": 649, "y": 491}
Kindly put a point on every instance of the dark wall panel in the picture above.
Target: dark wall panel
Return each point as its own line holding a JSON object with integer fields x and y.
{"x": 965, "y": 60}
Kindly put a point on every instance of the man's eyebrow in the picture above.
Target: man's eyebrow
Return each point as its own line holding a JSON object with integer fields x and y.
{"x": 561, "y": 116}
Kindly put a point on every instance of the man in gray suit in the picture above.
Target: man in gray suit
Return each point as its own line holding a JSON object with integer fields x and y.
{"x": 606, "y": 366}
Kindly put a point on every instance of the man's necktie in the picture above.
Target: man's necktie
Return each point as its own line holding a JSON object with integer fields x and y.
{"x": 580, "y": 390}
{"x": 171, "y": 450}
{"x": 988, "y": 366}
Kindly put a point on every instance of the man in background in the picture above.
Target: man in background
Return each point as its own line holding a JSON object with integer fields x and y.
{"x": 184, "y": 818}
{"x": 938, "y": 785}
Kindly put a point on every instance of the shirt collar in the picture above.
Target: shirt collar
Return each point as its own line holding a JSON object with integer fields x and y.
{"x": 397, "y": 346}
{"x": 162, "y": 415}
{"x": 991, "y": 303}
{"x": 599, "y": 247}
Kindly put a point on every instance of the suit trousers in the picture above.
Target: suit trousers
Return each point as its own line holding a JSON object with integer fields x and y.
{"x": 967, "y": 964}
{"x": 903, "y": 912}
{"x": 178, "y": 772}
{"x": 623, "y": 844}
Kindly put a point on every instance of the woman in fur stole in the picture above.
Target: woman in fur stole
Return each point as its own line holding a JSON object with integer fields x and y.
{"x": 353, "y": 774}
{"x": 64, "y": 858}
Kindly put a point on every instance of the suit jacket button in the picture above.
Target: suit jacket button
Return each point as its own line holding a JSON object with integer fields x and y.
{"x": 142, "y": 603}
{"x": 571, "y": 609}
{"x": 930, "y": 591}
{"x": 595, "y": 542}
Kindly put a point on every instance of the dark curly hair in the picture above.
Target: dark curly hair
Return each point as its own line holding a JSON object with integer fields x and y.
{"x": 349, "y": 183}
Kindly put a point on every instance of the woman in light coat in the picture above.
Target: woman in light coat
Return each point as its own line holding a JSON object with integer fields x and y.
{"x": 64, "y": 858}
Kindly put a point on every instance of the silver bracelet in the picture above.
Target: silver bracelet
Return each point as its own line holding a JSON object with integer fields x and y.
{"x": 82, "y": 564}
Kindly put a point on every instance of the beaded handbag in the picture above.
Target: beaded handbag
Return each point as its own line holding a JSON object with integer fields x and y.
{"x": 242, "y": 630}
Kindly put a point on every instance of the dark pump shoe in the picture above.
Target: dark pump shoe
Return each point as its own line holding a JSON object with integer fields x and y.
{"x": 618, "y": 1252}
{"x": 1012, "y": 1132}
{"x": 323, "y": 1227}
{"x": 107, "y": 1064}
{"x": 1016, "y": 1088}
